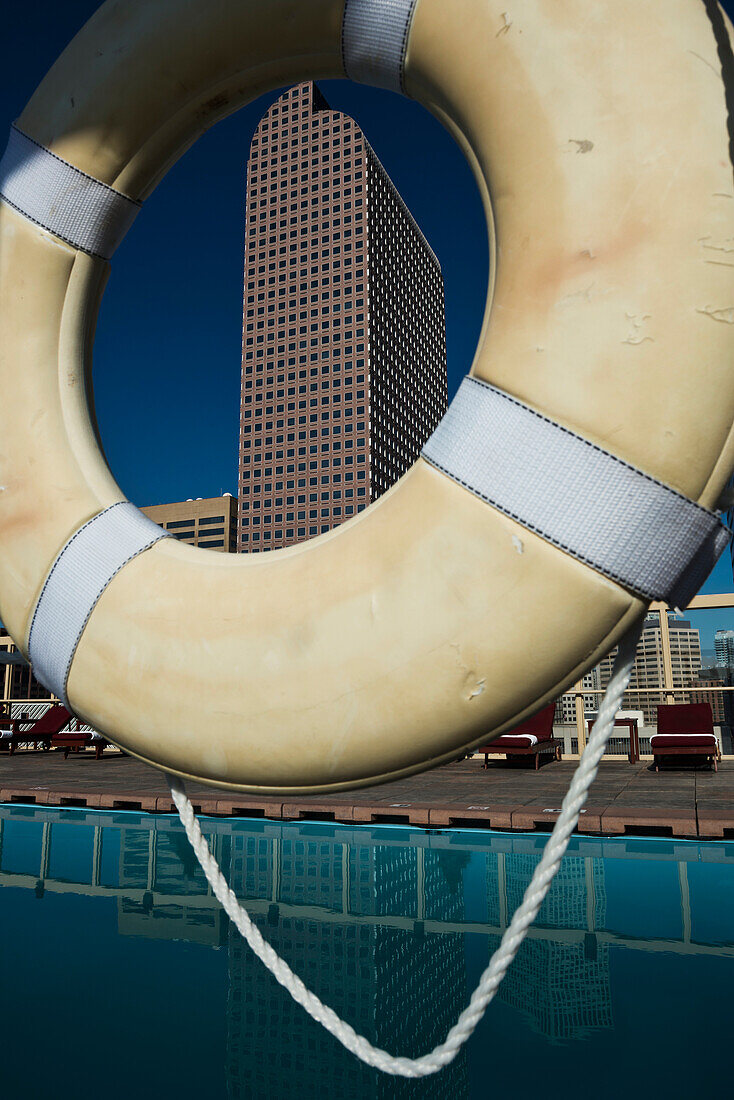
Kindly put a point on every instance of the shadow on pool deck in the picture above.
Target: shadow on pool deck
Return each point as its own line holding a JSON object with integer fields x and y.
{"x": 625, "y": 799}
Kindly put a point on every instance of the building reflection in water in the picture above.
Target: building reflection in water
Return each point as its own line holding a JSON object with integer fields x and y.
{"x": 562, "y": 988}
{"x": 376, "y": 921}
{"x": 378, "y": 969}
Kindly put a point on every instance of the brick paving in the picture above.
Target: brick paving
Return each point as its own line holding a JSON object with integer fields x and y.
{"x": 684, "y": 801}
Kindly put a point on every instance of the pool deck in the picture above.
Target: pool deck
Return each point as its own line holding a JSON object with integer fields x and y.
{"x": 625, "y": 799}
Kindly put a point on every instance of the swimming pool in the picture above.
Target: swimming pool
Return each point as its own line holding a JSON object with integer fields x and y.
{"x": 119, "y": 974}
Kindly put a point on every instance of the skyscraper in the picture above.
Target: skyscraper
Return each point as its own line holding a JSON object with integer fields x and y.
{"x": 724, "y": 648}
{"x": 343, "y": 344}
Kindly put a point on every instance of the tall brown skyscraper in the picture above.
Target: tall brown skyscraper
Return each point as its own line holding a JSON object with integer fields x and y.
{"x": 343, "y": 343}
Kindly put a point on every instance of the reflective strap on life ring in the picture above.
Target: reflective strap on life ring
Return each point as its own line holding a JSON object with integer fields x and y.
{"x": 59, "y": 197}
{"x": 78, "y": 577}
{"x": 610, "y": 515}
{"x": 374, "y": 40}
{"x": 94, "y": 217}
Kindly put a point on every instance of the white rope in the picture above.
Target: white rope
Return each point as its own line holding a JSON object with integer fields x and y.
{"x": 512, "y": 939}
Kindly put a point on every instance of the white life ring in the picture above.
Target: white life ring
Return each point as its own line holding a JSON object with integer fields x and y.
{"x": 601, "y": 133}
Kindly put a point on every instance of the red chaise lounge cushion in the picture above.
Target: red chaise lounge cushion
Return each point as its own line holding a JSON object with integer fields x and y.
{"x": 683, "y": 741}
{"x": 685, "y": 718}
{"x": 539, "y": 727}
{"x": 513, "y": 741}
{"x": 684, "y": 726}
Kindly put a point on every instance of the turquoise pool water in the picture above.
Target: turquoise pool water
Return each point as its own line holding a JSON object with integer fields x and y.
{"x": 119, "y": 974}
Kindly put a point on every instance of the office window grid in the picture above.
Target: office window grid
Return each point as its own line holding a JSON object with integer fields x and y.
{"x": 309, "y": 423}
{"x": 210, "y": 522}
{"x": 407, "y": 334}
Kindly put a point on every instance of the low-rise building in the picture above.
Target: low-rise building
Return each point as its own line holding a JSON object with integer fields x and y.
{"x": 209, "y": 522}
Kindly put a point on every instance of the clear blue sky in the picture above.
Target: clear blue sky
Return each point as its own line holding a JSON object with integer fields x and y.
{"x": 167, "y": 354}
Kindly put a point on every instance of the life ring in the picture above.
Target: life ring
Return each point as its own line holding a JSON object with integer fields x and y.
{"x": 393, "y": 643}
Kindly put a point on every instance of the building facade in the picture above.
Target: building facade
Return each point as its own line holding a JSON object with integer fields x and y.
{"x": 646, "y": 687}
{"x": 566, "y": 704}
{"x": 708, "y": 690}
{"x": 210, "y": 522}
{"x": 724, "y": 649}
{"x": 343, "y": 344}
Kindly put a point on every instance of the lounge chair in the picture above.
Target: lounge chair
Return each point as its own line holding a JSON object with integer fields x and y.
{"x": 685, "y": 729}
{"x": 41, "y": 731}
{"x": 533, "y": 737}
{"x": 74, "y": 740}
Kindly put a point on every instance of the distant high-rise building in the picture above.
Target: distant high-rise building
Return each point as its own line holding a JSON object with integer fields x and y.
{"x": 722, "y": 702}
{"x": 647, "y": 690}
{"x": 724, "y": 648}
{"x": 343, "y": 344}
{"x": 709, "y": 685}
{"x": 210, "y": 522}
